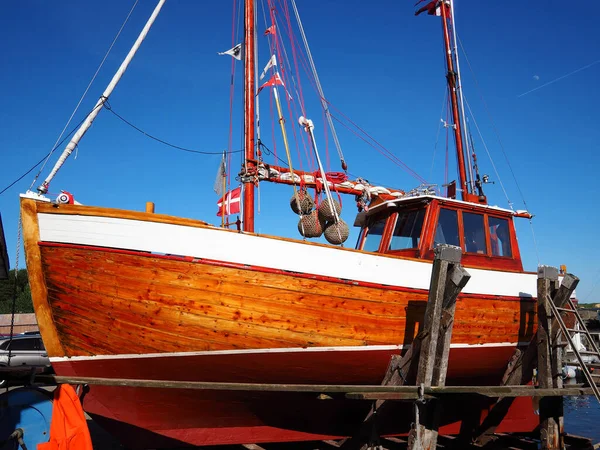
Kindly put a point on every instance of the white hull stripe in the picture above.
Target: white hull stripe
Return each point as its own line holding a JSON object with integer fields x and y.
{"x": 238, "y": 248}
{"x": 362, "y": 348}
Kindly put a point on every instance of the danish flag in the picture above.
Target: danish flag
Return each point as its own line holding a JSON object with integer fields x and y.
{"x": 232, "y": 202}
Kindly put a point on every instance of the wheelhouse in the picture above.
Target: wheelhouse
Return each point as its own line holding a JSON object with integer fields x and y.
{"x": 412, "y": 227}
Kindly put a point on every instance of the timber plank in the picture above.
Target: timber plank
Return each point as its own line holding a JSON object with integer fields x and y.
{"x": 485, "y": 331}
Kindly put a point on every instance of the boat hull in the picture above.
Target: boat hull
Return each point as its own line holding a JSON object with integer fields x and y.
{"x": 121, "y": 294}
{"x": 174, "y": 417}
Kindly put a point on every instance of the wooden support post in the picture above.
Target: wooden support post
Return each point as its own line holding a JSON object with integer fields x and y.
{"x": 551, "y": 411}
{"x": 457, "y": 279}
{"x": 426, "y": 361}
{"x": 567, "y": 287}
{"x": 447, "y": 280}
{"x": 520, "y": 366}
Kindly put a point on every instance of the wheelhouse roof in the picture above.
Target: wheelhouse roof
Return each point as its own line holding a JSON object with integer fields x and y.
{"x": 424, "y": 199}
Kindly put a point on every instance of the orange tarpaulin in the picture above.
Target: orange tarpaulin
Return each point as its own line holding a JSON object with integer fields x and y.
{"x": 68, "y": 429}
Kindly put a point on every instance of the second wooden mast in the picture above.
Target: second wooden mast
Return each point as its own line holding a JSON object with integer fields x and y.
{"x": 249, "y": 116}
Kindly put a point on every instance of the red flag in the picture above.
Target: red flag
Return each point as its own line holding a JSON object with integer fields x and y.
{"x": 274, "y": 80}
{"x": 270, "y": 30}
{"x": 232, "y": 202}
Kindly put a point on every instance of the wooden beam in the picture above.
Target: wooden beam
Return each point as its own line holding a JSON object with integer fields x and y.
{"x": 560, "y": 299}
{"x": 487, "y": 391}
{"x": 520, "y": 367}
{"x": 551, "y": 409}
{"x": 457, "y": 279}
{"x": 447, "y": 280}
{"x": 353, "y": 391}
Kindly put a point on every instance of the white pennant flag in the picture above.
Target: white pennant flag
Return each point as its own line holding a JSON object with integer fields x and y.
{"x": 236, "y": 52}
{"x": 220, "y": 178}
{"x": 272, "y": 62}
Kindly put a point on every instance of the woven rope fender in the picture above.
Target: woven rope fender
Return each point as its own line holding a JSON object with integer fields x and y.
{"x": 337, "y": 233}
{"x": 305, "y": 201}
{"x": 325, "y": 211}
{"x": 310, "y": 226}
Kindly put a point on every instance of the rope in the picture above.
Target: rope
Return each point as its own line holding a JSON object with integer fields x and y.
{"x": 336, "y": 177}
{"x": 318, "y": 82}
{"x": 234, "y": 38}
{"x": 56, "y": 144}
{"x": 109, "y": 108}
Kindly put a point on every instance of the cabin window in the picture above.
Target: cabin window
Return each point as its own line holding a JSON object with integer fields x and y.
{"x": 407, "y": 231}
{"x": 447, "y": 228}
{"x": 374, "y": 235}
{"x": 499, "y": 237}
{"x": 474, "y": 233}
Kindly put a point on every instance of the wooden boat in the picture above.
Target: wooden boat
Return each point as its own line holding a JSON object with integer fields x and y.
{"x": 139, "y": 295}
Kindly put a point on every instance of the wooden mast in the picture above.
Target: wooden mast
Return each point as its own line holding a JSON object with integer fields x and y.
{"x": 451, "y": 77}
{"x": 249, "y": 106}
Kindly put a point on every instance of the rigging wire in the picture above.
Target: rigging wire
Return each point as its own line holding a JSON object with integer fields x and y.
{"x": 437, "y": 137}
{"x": 468, "y": 150}
{"x": 300, "y": 56}
{"x": 535, "y": 246}
{"x": 297, "y": 54}
{"x": 177, "y": 147}
{"x": 493, "y": 124}
{"x": 108, "y": 108}
{"x": 512, "y": 172}
{"x": 278, "y": 49}
{"x": 82, "y": 96}
{"x": 28, "y": 172}
{"x": 376, "y": 144}
{"x": 284, "y": 59}
{"x": 489, "y": 154}
{"x": 318, "y": 82}
{"x": 58, "y": 144}
{"x": 234, "y": 40}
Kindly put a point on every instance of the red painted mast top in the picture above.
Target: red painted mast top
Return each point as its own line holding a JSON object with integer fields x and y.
{"x": 443, "y": 8}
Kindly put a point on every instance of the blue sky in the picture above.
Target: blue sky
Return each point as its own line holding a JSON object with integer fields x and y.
{"x": 378, "y": 64}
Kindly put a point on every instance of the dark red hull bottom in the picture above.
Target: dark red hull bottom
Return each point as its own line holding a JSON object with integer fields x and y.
{"x": 153, "y": 417}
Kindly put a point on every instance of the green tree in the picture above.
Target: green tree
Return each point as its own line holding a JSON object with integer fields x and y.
{"x": 15, "y": 287}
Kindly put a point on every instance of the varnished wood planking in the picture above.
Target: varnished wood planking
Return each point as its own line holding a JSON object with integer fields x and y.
{"x": 508, "y": 318}
{"x": 240, "y": 305}
{"x": 113, "y": 266}
{"x": 163, "y": 318}
{"x": 43, "y": 311}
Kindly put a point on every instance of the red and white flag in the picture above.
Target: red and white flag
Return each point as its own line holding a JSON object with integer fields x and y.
{"x": 432, "y": 8}
{"x": 270, "y": 30}
{"x": 272, "y": 62}
{"x": 273, "y": 81}
{"x": 232, "y": 202}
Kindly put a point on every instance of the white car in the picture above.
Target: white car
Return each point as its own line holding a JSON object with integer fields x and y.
{"x": 25, "y": 349}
